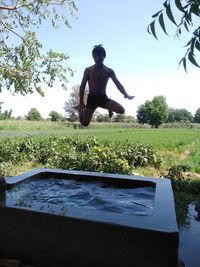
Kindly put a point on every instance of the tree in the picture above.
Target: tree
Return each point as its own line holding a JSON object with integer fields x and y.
{"x": 55, "y": 116}
{"x": 129, "y": 119}
{"x": 23, "y": 66}
{"x": 188, "y": 10}
{"x": 102, "y": 118}
{"x": 6, "y": 114}
{"x": 119, "y": 118}
{"x": 197, "y": 116}
{"x": 143, "y": 112}
{"x": 34, "y": 115}
{"x": 153, "y": 112}
{"x": 70, "y": 106}
{"x": 179, "y": 115}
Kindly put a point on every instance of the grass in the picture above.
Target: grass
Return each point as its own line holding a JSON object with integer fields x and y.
{"x": 175, "y": 145}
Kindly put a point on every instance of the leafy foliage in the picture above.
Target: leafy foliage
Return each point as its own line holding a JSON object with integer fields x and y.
{"x": 78, "y": 153}
{"x": 70, "y": 106}
{"x": 102, "y": 118}
{"x": 23, "y": 67}
{"x": 154, "y": 112}
{"x": 6, "y": 114}
{"x": 119, "y": 118}
{"x": 177, "y": 171}
{"x": 55, "y": 116}
{"x": 34, "y": 115}
{"x": 197, "y": 116}
{"x": 188, "y": 9}
{"x": 179, "y": 115}
{"x": 180, "y": 181}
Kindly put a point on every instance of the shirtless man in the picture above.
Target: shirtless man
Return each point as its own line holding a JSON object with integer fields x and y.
{"x": 97, "y": 77}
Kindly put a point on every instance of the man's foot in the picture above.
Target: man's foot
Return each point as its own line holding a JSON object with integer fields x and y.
{"x": 110, "y": 113}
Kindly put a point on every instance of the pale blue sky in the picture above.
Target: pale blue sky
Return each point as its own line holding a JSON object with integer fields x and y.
{"x": 145, "y": 66}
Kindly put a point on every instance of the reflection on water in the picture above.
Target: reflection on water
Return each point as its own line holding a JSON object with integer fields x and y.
{"x": 189, "y": 249}
{"x": 93, "y": 195}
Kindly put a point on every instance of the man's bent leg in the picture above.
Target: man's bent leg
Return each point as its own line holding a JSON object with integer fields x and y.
{"x": 114, "y": 106}
{"x": 85, "y": 116}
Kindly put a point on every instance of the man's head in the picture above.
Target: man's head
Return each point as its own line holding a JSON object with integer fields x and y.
{"x": 99, "y": 50}
{"x": 98, "y": 53}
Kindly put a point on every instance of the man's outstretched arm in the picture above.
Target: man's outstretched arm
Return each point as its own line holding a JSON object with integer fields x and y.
{"x": 119, "y": 86}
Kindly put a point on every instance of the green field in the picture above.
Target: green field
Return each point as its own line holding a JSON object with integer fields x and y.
{"x": 175, "y": 146}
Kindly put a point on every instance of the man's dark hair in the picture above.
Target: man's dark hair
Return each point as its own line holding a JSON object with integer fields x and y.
{"x": 98, "y": 49}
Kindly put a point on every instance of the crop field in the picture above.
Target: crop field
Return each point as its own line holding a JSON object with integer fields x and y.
{"x": 175, "y": 146}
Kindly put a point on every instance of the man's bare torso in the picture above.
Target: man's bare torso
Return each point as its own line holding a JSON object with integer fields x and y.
{"x": 97, "y": 79}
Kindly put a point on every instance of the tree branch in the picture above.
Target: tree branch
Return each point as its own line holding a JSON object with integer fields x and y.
{"x": 9, "y": 29}
{"x": 30, "y": 4}
{"x": 16, "y": 7}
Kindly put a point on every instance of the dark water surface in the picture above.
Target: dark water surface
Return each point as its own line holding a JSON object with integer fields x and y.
{"x": 92, "y": 195}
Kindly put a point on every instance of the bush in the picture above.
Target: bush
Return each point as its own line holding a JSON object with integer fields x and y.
{"x": 79, "y": 153}
{"x": 180, "y": 181}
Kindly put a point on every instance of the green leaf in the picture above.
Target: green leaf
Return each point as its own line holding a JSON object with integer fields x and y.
{"x": 197, "y": 32}
{"x": 184, "y": 64}
{"x": 157, "y": 13}
{"x": 188, "y": 43}
{"x": 188, "y": 18}
{"x": 151, "y": 29}
{"x": 165, "y": 4}
{"x": 183, "y": 61}
{"x": 197, "y": 45}
{"x": 179, "y": 5}
{"x": 192, "y": 45}
{"x": 186, "y": 26}
{"x": 162, "y": 24}
{"x": 170, "y": 15}
{"x": 195, "y": 9}
{"x": 192, "y": 59}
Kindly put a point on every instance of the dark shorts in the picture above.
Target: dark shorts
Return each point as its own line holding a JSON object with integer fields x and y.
{"x": 95, "y": 101}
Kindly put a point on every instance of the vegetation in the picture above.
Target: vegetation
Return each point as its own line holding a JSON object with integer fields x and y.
{"x": 153, "y": 112}
{"x": 197, "y": 116}
{"x": 102, "y": 118}
{"x": 76, "y": 153}
{"x": 55, "y": 116}
{"x": 175, "y": 146}
{"x": 188, "y": 10}
{"x": 34, "y": 115}
{"x": 70, "y": 106}
{"x": 23, "y": 67}
{"x": 6, "y": 114}
{"x": 179, "y": 115}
